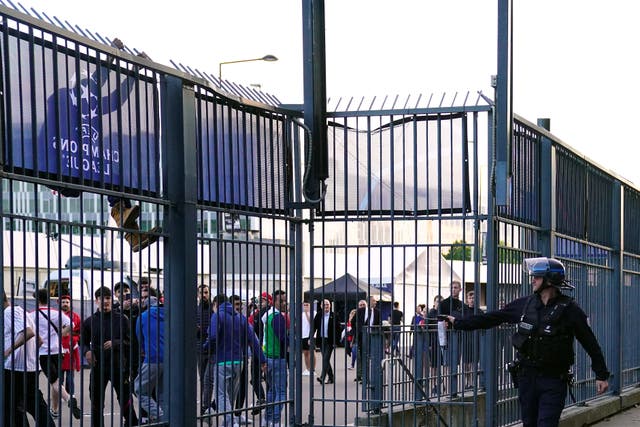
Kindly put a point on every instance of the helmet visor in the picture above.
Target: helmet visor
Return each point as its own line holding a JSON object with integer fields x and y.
{"x": 536, "y": 266}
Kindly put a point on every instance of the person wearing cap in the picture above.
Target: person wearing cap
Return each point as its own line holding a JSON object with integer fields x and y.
{"x": 548, "y": 321}
{"x": 70, "y": 346}
{"x": 150, "y": 333}
{"x": 130, "y": 307}
{"x": 51, "y": 325}
{"x": 105, "y": 336}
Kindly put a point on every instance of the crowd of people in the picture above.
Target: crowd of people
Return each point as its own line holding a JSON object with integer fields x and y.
{"x": 122, "y": 343}
{"x": 238, "y": 348}
{"x": 242, "y": 351}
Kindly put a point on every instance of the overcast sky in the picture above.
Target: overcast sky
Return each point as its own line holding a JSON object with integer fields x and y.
{"x": 575, "y": 61}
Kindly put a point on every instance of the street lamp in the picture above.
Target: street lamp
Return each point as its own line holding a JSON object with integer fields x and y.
{"x": 268, "y": 58}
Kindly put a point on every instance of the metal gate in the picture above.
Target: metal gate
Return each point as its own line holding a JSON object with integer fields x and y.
{"x": 404, "y": 192}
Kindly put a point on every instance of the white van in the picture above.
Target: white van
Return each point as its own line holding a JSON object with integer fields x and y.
{"x": 81, "y": 284}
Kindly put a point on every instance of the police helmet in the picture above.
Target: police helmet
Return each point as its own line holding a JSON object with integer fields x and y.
{"x": 550, "y": 269}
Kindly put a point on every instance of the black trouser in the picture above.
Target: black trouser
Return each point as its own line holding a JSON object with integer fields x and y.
{"x": 359, "y": 359}
{"x": 203, "y": 362}
{"x": 100, "y": 375}
{"x": 242, "y": 389}
{"x": 21, "y": 395}
{"x": 326, "y": 348}
{"x": 541, "y": 398}
{"x": 256, "y": 378}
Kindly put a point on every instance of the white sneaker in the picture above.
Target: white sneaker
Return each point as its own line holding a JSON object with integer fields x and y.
{"x": 306, "y": 372}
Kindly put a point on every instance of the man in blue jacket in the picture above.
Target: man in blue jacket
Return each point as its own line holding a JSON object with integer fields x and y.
{"x": 229, "y": 335}
{"x": 150, "y": 332}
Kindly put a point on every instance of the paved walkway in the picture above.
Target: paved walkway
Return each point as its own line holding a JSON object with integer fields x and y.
{"x": 628, "y": 418}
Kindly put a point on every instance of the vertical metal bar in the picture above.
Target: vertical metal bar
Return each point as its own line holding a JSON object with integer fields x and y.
{"x": 2, "y": 207}
{"x": 180, "y": 182}
{"x": 295, "y": 269}
{"x": 315, "y": 96}
{"x": 504, "y": 112}
{"x": 617, "y": 283}
{"x": 4, "y": 98}
{"x": 547, "y": 194}
{"x": 492, "y": 290}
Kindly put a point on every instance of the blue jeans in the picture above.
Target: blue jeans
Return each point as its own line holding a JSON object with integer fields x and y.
{"x": 276, "y": 388}
{"x": 227, "y": 385}
{"x": 354, "y": 353}
{"x": 149, "y": 378}
{"x": 395, "y": 339}
{"x": 66, "y": 380}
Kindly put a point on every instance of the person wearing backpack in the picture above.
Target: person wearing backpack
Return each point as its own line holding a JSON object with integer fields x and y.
{"x": 51, "y": 325}
{"x": 548, "y": 321}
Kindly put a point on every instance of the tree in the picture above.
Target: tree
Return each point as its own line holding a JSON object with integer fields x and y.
{"x": 459, "y": 251}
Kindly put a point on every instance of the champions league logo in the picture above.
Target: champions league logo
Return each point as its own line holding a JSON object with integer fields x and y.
{"x": 84, "y": 149}
{"x": 88, "y": 95}
{"x": 87, "y": 155}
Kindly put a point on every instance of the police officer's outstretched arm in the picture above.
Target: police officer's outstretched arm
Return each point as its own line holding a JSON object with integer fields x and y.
{"x": 589, "y": 342}
{"x": 509, "y": 314}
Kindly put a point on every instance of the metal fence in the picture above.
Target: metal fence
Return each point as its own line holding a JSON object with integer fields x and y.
{"x": 124, "y": 174}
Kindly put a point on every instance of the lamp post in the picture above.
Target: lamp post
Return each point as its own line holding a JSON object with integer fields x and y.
{"x": 268, "y": 58}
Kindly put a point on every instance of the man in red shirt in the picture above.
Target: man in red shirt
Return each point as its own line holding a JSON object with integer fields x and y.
{"x": 70, "y": 348}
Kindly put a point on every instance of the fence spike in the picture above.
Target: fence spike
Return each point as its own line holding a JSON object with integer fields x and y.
{"x": 36, "y": 14}
{"x": 418, "y": 101}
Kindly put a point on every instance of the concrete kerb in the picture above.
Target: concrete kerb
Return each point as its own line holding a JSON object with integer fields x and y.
{"x": 599, "y": 409}
{"x": 427, "y": 414}
{"x": 574, "y": 416}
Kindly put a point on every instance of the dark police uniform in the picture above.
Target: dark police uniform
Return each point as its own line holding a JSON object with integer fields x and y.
{"x": 544, "y": 343}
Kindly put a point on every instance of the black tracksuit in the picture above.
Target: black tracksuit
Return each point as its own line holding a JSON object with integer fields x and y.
{"x": 111, "y": 365}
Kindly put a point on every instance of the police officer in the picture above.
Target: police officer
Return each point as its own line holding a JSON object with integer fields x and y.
{"x": 547, "y": 322}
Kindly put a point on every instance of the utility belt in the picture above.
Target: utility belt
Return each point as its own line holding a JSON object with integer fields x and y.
{"x": 518, "y": 368}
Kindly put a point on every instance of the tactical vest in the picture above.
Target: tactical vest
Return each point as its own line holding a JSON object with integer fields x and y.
{"x": 545, "y": 343}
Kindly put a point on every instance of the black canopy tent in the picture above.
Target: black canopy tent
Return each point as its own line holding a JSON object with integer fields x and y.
{"x": 344, "y": 293}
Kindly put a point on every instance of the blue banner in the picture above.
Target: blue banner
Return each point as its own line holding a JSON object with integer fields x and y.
{"x": 77, "y": 118}
{"x": 242, "y": 157}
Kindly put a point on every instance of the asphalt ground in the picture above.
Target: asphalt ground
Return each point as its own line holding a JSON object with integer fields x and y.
{"x": 333, "y": 404}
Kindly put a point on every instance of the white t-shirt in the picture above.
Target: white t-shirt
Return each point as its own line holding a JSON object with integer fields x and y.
{"x": 306, "y": 324}
{"x": 50, "y": 339}
{"x": 15, "y": 322}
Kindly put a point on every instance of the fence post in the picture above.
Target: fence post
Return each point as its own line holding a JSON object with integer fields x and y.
{"x": 617, "y": 263}
{"x": 420, "y": 342}
{"x": 375, "y": 369}
{"x": 504, "y": 111}
{"x": 547, "y": 194}
{"x": 492, "y": 291}
{"x": 180, "y": 182}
